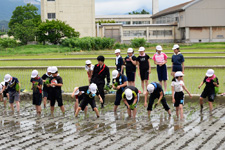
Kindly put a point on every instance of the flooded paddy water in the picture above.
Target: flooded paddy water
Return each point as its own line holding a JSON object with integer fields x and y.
{"x": 25, "y": 130}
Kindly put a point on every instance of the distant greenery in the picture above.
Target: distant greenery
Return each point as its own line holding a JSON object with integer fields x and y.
{"x": 89, "y": 43}
{"x": 7, "y": 43}
{"x": 105, "y": 21}
{"x": 136, "y": 12}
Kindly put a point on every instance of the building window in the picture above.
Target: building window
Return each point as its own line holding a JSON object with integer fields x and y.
{"x": 136, "y": 33}
{"x": 162, "y": 32}
{"x": 123, "y": 22}
{"x": 141, "y": 22}
{"x": 51, "y": 15}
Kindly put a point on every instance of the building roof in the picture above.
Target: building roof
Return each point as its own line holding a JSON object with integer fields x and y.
{"x": 122, "y": 16}
{"x": 172, "y": 10}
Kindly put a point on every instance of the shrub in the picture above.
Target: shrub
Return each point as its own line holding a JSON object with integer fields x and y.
{"x": 138, "y": 42}
{"x": 8, "y": 43}
{"x": 89, "y": 43}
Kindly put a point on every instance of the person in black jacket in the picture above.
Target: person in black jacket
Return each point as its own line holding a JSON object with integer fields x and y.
{"x": 100, "y": 72}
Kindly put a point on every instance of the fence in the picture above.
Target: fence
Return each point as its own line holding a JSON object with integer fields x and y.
{"x": 77, "y": 76}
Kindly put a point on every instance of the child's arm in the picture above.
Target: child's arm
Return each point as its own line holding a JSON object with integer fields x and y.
{"x": 149, "y": 66}
{"x": 135, "y": 100}
{"x": 183, "y": 67}
{"x": 173, "y": 99}
{"x": 187, "y": 91}
{"x": 146, "y": 96}
{"x": 172, "y": 69}
{"x": 201, "y": 85}
{"x": 125, "y": 102}
{"x": 138, "y": 67}
{"x": 100, "y": 98}
{"x": 74, "y": 91}
{"x": 134, "y": 62}
{"x": 123, "y": 85}
{"x": 160, "y": 98}
{"x": 3, "y": 89}
{"x": 121, "y": 69}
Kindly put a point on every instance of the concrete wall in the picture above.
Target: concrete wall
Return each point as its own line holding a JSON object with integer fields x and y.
{"x": 79, "y": 14}
{"x": 205, "y": 13}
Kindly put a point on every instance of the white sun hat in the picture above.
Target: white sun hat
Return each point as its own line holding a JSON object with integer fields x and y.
{"x": 49, "y": 69}
{"x": 129, "y": 94}
{"x": 141, "y": 49}
{"x": 117, "y": 51}
{"x": 150, "y": 88}
{"x": 176, "y": 46}
{"x": 88, "y": 62}
{"x": 210, "y": 73}
{"x": 54, "y": 69}
{"x": 115, "y": 74}
{"x": 93, "y": 88}
{"x": 179, "y": 74}
{"x": 34, "y": 74}
{"x": 130, "y": 50}
{"x": 159, "y": 48}
{"x": 7, "y": 77}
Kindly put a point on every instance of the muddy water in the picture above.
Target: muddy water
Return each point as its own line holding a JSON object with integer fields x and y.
{"x": 25, "y": 130}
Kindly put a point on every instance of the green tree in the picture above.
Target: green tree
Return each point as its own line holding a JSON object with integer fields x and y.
{"x": 136, "y": 12}
{"x": 105, "y": 21}
{"x": 53, "y": 31}
{"x": 25, "y": 32}
{"x": 24, "y": 18}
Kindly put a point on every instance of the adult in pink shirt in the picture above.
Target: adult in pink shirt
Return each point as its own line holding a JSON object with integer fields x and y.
{"x": 160, "y": 59}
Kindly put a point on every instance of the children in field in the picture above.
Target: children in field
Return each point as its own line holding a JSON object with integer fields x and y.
{"x": 131, "y": 98}
{"x": 55, "y": 91}
{"x": 13, "y": 85}
{"x": 89, "y": 68}
{"x": 155, "y": 90}
{"x": 119, "y": 83}
{"x": 160, "y": 59}
{"x": 130, "y": 62}
{"x": 45, "y": 79}
{"x": 88, "y": 98}
{"x": 178, "y": 94}
{"x": 4, "y": 94}
{"x": 37, "y": 90}
{"x": 79, "y": 95}
{"x": 177, "y": 60}
{"x": 144, "y": 68}
{"x": 119, "y": 61}
{"x": 211, "y": 81}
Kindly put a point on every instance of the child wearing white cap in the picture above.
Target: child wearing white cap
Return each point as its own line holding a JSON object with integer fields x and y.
{"x": 144, "y": 68}
{"x": 13, "y": 86}
{"x": 130, "y": 62}
{"x": 178, "y": 94}
{"x": 119, "y": 61}
{"x": 131, "y": 98}
{"x": 79, "y": 95}
{"x": 211, "y": 82}
{"x": 37, "y": 90}
{"x": 160, "y": 59}
{"x": 88, "y": 98}
{"x": 177, "y": 60}
{"x": 45, "y": 78}
{"x": 89, "y": 68}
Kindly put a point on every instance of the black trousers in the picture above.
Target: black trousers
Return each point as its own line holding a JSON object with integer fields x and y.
{"x": 101, "y": 91}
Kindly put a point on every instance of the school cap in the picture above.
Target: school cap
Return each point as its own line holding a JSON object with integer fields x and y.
{"x": 7, "y": 77}
{"x": 115, "y": 74}
{"x": 129, "y": 94}
{"x": 150, "y": 88}
{"x": 210, "y": 73}
{"x": 49, "y": 69}
{"x": 176, "y": 46}
{"x": 179, "y": 74}
{"x": 117, "y": 51}
{"x": 93, "y": 88}
{"x": 54, "y": 69}
{"x": 130, "y": 50}
{"x": 34, "y": 74}
{"x": 141, "y": 49}
{"x": 159, "y": 48}
{"x": 88, "y": 62}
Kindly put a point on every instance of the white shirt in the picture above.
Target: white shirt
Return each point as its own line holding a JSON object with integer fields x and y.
{"x": 89, "y": 68}
{"x": 178, "y": 85}
{"x": 117, "y": 58}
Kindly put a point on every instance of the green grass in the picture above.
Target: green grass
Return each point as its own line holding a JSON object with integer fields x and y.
{"x": 188, "y": 62}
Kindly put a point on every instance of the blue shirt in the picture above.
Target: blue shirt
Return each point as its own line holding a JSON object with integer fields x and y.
{"x": 12, "y": 84}
{"x": 177, "y": 59}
